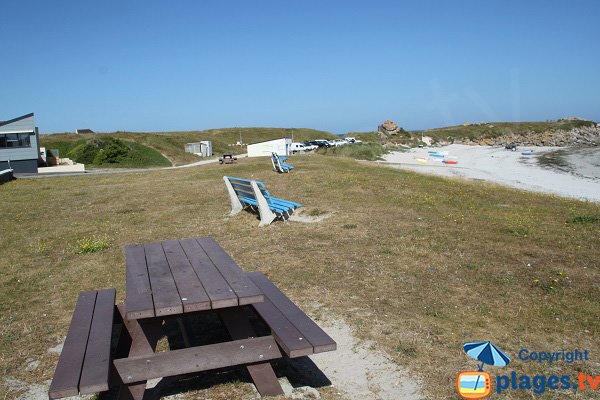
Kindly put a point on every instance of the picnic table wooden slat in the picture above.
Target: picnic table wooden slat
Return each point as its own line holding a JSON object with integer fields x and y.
{"x": 244, "y": 288}
{"x": 320, "y": 341}
{"x": 196, "y": 359}
{"x": 96, "y": 364}
{"x": 238, "y": 326}
{"x": 139, "y": 303}
{"x": 68, "y": 369}
{"x": 220, "y": 293}
{"x": 191, "y": 290}
{"x": 291, "y": 340}
{"x": 164, "y": 291}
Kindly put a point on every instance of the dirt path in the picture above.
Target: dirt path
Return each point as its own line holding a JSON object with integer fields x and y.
{"x": 360, "y": 371}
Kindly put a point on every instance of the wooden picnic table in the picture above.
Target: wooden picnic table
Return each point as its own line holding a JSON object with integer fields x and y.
{"x": 177, "y": 277}
{"x": 227, "y": 158}
{"x": 181, "y": 280}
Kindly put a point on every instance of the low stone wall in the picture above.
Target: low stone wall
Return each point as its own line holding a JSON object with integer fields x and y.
{"x": 62, "y": 169}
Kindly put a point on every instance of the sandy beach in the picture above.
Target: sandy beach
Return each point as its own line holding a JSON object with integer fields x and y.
{"x": 511, "y": 168}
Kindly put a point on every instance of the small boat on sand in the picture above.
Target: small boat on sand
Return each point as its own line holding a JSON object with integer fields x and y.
{"x": 527, "y": 152}
{"x": 450, "y": 160}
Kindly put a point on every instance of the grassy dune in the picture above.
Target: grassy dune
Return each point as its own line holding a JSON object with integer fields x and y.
{"x": 418, "y": 264}
{"x": 171, "y": 144}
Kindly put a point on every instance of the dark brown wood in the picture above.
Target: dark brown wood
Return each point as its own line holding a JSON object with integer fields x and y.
{"x": 219, "y": 292}
{"x": 265, "y": 379}
{"x": 143, "y": 334}
{"x": 310, "y": 331}
{"x": 96, "y": 364}
{"x": 291, "y": 340}
{"x": 262, "y": 374}
{"x": 244, "y": 288}
{"x": 138, "y": 301}
{"x": 195, "y": 359}
{"x": 68, "y": 369}
{"x": 192, "y": 293}
{"x": 164, "y": 291}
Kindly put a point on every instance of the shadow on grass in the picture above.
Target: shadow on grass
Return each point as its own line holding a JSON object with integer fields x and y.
{"x": 206, "y": 328}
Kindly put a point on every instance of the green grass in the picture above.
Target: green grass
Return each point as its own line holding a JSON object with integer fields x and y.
{"x": 92, "y": 244}
{"x": 138, "y": 155}
{"x": 416, "y": 264}
{"x": 359, "y": 151}
{"x": 172, "y": 144}
{"x": 584, "y": 219}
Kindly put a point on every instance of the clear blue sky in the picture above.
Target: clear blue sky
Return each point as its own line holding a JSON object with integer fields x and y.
{"x": 333, "y": 65}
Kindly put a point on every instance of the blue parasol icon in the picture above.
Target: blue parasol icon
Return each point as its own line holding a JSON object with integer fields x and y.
{"x": 487, "y": 353}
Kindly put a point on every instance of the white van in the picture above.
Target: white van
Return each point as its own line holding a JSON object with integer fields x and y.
{"x": 297, "y": 147}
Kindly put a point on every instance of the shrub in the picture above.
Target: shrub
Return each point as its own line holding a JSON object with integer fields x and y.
{"x": 84, "y": 153}
{"x": 113, "y": 151}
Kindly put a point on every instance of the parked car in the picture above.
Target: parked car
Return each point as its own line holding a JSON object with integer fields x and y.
{"x": 310, "y": 145}
{"x": 297, "y": 147}
{"x": 321, "y": 143}
{"x": 338, "y": 142}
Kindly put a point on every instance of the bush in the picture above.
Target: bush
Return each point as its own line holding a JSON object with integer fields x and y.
{"x": 100, "y": 151}
{"x": 113, "y": 152}
{"x": 84, "y": 153}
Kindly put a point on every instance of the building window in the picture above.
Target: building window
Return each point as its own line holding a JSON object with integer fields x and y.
{"x": 13, "y": 140}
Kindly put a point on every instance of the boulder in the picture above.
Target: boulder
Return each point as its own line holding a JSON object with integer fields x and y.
{"x": 389, "y": 128}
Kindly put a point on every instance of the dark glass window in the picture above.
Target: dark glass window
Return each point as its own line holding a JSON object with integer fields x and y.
{"x": 12, "y": 140}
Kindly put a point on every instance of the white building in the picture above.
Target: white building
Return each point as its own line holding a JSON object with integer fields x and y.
{"x": 202, "y": 149}
{"x": 263, "y": 149}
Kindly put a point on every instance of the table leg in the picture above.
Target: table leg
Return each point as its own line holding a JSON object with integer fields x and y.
{"x": 144, "y": 334}
{"x": 184, "y": 333}
{"x": 238, "y": 326}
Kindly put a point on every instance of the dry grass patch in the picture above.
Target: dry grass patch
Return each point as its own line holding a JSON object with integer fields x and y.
{"x": 418, "y": 264}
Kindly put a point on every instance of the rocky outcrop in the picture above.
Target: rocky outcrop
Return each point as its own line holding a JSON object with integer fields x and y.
{"x": 389, "y": 128}
{"x": 583, "y": 136}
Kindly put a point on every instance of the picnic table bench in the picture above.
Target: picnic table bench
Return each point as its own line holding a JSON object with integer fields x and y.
{"x": 180, "y": 279}
{"x": 279, "y": 163}
{"x": 84, "y": 363}
{"x": 227, "y": 158}
{"x": 245, "y": 193}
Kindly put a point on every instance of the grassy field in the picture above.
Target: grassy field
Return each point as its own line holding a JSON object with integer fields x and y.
{"x": 417, "y": 264}
{"x": 359, "y": 151}
{"x": 171, "y": 144}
